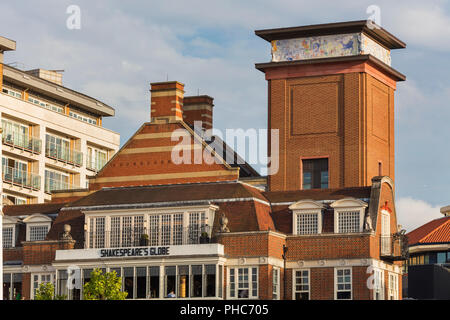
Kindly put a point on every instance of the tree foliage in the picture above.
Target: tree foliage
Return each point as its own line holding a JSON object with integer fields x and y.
{"x": 105, "y": 286}
{"x": 46, "y": 291}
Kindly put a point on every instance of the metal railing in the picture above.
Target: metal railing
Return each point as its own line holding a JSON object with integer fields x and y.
{"x": 66, "y": 155}
{"x": 22, "y": 141}
{"x": 163, "y": 236}
{"x": 21, "y": 178}
{"x": 52, "y": 185}
{"x": 95, "y": 164}
{"x": 394, "y": 246}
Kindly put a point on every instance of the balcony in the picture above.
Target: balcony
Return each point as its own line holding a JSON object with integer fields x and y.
{"x": 394, "y": 247}
{"x": 22, "y": 142}
{"x": 156, "y": 237}
{"x": 95, "y": 164}
{"x": 52, "y": 185}
{"x": 21, "y": 178}
{"x": 66, "y": 155}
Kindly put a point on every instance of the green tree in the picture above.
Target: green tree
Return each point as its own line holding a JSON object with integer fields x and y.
{"x": 103, "y": 286}
{"x": 46, "y": 291}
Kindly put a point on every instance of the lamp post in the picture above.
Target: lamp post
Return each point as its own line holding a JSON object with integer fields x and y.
{"x": 285, "y": 250}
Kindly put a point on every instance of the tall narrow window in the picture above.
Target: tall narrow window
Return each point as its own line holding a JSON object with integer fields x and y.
{"x": 343, "y": 284}
{"x": 128, "y": 280}
{"x": 154, "y": 282}
{"x": 301, "y": 285}
{"x": 183, "y": 281}
{"x": 8, "y": 237}
{"x": 315, "y": 173}
{"x": 141, "y": 282}
{"x": 210, "y": 279}
{"x": 197, "y": 281}
{"x": 275, "y": 284}
{"x": 170, "y": 282}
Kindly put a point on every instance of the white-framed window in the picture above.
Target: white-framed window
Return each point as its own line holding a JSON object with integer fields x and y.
{"x": 38, "y": 279}
{"x": 38, "y": 226}
{"x": 163, "y": 227}
{"x": 275, "y": 283}
{"x": 302, "y": 286}
{"x": 12, "y": 93}
{"x": 349, "y": 215}
{"x": 56, "y": 180}
{"x": 385, "y": 233}
{"x": 393, "y": 286}
{"x": 11, "y": 200}
{"x": 378, "y": 283}
{"x": 307, "y": 217}
{"x": 8, "y": 237}
{"x": 243, "y": 282}
{"x": 38, "y": 233}
{"x": 343, "y": 284}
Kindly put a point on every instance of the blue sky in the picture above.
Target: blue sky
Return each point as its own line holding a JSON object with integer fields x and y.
{"x": 210, "y": 46}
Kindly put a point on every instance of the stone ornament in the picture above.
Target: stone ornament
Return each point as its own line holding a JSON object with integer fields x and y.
{"x": 223, "y": 224}
{"x": 66, "y": 235}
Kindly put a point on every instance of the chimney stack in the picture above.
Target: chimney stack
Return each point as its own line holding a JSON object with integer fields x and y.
{"x": 198, "y": 108}
{"x": 166, "y": 102}
{"x": 54, "y": 76}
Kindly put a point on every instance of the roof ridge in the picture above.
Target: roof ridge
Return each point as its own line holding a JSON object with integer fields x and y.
{"x": 439, "y": 227}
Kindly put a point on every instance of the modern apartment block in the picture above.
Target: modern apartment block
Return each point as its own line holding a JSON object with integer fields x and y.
{"x": 52, "y": 137}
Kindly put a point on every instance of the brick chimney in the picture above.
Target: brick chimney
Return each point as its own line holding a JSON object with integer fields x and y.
{"x": 198, "y": 108}
{"x": 166, "y": 101}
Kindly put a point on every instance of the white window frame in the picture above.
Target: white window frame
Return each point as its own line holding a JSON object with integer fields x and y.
{"x": 10, "y": 222}
{"x": 36, "y": 220}
{"x": 378, "y": 283}
{"x": 206, "y": 216}
{"x": 349, "y": 205}
{"x": 236, "y": 282}
{"x": 303, "y": 207}
{"x": 336, "y": 283}
{"x": 39, "y": 281}
{"x": 276, "y": 283}
{"x": 294, "y": 283}
{"x": 393, "y": 293}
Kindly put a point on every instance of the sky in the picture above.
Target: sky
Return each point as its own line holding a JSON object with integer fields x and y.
{"x": 210, "y": 46}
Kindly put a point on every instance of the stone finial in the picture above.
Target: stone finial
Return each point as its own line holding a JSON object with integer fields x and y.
{"x": 223, "y": 223}
{"x": 66, "y": 235}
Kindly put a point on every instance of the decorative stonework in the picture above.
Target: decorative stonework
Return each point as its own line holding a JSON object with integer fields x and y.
{"x": 328, "y": 46}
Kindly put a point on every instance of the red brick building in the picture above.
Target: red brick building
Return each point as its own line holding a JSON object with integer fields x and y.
{"x": 171, "y": 214}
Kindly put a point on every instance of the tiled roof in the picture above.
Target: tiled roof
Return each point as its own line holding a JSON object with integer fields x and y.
{"x": 318, "y": 194}
{"x": 169, "y": 193}
{"x": 29, "y": 209}
{"x": 435, "y": 231}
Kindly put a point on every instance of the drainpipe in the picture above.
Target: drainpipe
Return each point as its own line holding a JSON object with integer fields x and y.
{"x": 285, "y": 250}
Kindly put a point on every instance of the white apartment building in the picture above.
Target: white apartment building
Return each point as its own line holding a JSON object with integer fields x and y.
{"x": 52, "y": 136}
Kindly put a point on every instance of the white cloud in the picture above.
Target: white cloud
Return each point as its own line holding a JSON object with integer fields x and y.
{"x": 413, "y": 213}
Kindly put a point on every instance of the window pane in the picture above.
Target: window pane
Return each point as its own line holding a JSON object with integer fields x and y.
{"x": 141, "y": 282}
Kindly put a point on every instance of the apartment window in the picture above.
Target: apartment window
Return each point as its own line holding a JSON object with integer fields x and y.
{"x": 393, "y": 286}
{"x": 315, "y": 173}
{"x": 82, "y": 117}
{"x": 343, "y": 283}
{"x": 378, "y": 283}
{"x": 302, "y": 286}
{"x": 126, "y": 231}
{"x": 8, "y": 237}
{"x": 45, "y": 104}
{"x": 348, "y": 221}
{"x": 96, "y": 158}
{"x": 308, "y": 223}
{"x": 385, "y": 233}
{"x": 38, "y": 233}
{"x": 243, "y": 283}
{"x": 12, "y": 93}
{"x": 56, "y": 181}
{"x": 275, "y": 283}
{"x": 12, "y": 286}
{"x": 11, "y": 200}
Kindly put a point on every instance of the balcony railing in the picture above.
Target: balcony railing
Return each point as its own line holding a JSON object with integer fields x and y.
{"x": 52, "y": 185}
{"x": 22, "y": 141}
{"x": 21, "y": 178}
{"x": 95, "y": 164}
{"x": 66, "y": 155}
{"x": 394, "y": 247}
{"x": 140, "y": 237}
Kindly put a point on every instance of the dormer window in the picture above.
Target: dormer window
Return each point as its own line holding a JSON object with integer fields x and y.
{"x": 349, "y": 215}
{"x": 38, "y": 226}
{"x": 307, "y": 217}
{"x": 9, "y": 231}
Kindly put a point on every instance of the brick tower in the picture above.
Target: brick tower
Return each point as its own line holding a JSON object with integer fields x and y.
{"x": 331, "y": 95}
